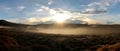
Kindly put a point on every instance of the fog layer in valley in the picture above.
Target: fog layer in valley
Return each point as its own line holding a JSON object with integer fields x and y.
{"x": 69, "y": 30}
{"x": 99, "y": 30}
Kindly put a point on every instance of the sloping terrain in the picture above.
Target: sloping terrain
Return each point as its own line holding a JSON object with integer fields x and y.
{"x": 15, "y": 37}
{"x": 7, "y": 23}
{"x": 7, "y": 42}
{"x": 50, "y": 42}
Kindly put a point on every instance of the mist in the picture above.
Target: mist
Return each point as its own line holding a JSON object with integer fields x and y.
{"x": 68, "y": 30}
{"x": 99, "y": 30}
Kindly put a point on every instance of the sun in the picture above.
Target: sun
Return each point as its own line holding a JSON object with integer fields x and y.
{"x": 60, "y": 18}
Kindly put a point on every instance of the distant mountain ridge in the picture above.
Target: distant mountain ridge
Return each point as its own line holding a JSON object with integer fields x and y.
{"x": 7, "y": 23}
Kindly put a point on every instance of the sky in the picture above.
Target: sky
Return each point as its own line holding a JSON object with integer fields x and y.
{"x": 57, "y": 11}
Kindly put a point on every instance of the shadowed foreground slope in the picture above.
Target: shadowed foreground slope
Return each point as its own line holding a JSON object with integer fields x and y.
{"x": 7, "y": 42}
{"x": 22, "y": 41}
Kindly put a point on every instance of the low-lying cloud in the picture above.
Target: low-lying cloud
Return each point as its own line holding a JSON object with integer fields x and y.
{"x": 44, "y": 14}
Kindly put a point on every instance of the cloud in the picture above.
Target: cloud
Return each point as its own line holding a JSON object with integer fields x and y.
{"x": 21, "y": 8}
{"x": 90, "y": 11}
{"x": 43, "y": 11}
{"x": 39, "y": 10}
{"x": 100, "y": 6}
{"x": 97, "y": 8}
{"x": 75, "y": 16}
{"x": 50, "y": 2}
{"x": 53, "y": 14}
{"x": 93, "y": 11}
{"x": 37, "y": 4}
{"x": 49, "y": 15}
{"x": 111, "y": 1}
{"x": 7, "y": 8}
{"x": 94, "y": 4}
{"x": 45, "y": 7}
{"x": 37, "y": 20}
{"x": 58, "y": 12}
{"x": 81, "y": 20}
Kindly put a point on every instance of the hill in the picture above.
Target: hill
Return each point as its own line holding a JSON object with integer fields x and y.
{"x": 6, "y": 23}
{"x": 22, "y": 41}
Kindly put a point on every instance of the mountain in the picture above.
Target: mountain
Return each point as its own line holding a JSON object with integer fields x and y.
{"x": 77, "y": 22}
{"x": 6, "y": 23}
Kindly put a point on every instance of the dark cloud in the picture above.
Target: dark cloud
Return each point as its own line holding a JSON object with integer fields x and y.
{"x": 90, "y": 11}
{"x": 95, "y": 12}
{"x": 77, "y": 22}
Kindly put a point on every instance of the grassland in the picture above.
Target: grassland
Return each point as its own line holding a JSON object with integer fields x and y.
{"x": 15, "y": 39}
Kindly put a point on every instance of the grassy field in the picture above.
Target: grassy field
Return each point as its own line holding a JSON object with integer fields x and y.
{"x": 16, "y": 39}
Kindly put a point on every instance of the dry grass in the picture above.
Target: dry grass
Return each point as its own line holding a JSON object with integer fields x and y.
{"x": 114, "y": 47}
{"x": 13, "y": 40}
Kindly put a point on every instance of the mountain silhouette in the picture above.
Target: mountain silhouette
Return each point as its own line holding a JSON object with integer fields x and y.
{"x": 7, "y": 23}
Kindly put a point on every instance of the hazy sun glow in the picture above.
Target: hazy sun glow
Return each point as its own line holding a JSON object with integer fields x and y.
{"x": 90, "y": 21}
{"x": 61, "y": 18}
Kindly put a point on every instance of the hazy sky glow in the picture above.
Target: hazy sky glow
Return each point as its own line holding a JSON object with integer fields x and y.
{"x": 69, "y": 11}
